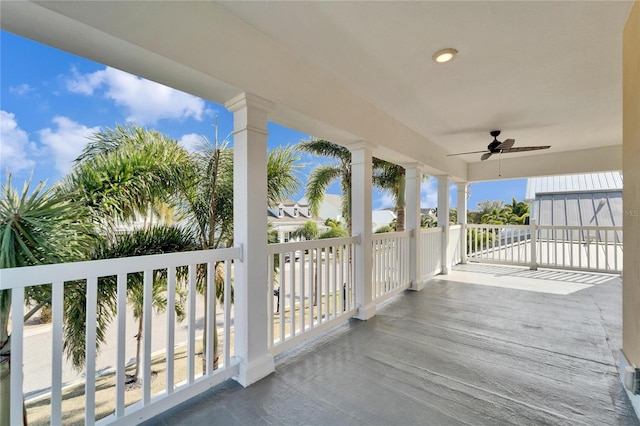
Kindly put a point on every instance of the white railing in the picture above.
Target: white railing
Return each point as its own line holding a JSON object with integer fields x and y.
{"x": 454, "y": 248}
{"x": 390, "y": 264}
{"x": 499, "y": 243}
{"x": 430, "y": 252}
{"x": 311, "y": 288}
{"x": 179, "y": 273}
{"x": 588, "y": 248}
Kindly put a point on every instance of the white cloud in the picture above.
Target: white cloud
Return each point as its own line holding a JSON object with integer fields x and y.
{"x": 429, "y": 193}
{"x": 190, "y": 141}
{"x": 144, "y": 101}
{"x": 386, "y": 200}
{"x": 21, "y": 89}
{"x": 66, "y": 141}
{"x": 15, "y": 146}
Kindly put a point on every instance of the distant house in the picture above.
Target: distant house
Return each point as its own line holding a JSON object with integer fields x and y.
{"x": 381, "y": 218}
{"x": 330, "y": 208}
{"x": 287, "y": 216}
{"x": 593, "y": 199}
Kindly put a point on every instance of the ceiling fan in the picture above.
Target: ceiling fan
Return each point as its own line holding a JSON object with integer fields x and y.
{"x": 505, "y": 147}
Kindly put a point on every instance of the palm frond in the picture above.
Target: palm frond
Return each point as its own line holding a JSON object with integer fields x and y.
{"x": 319, "y": 179}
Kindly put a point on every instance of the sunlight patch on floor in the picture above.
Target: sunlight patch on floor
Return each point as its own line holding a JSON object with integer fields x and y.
{"x": 522, "y": 278}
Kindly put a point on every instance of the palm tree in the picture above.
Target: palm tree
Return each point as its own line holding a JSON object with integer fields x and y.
{"x": 127, "y": 171}
{"x": 147, "y": 241}
{"x": 391, "y": 177}
{"x": 207, "y": 202}
{"x": 36, "y": 228}
{"x": 517, "y": 212}
{"x": 308, "y": 230}
{"x": 121, "y": 173}
{"x": 322, "y": 176}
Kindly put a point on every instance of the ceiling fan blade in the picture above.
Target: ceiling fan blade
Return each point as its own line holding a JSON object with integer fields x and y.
{"x": 525, "y": 148}
{"x": 485, "y": 156}
{"x": 507, "y": 144}
{"x": 465, "y": 153}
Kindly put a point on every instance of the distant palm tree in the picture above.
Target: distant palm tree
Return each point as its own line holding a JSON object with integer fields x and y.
{"x": 517, "y": 212}
{"x": 391, "y": 177}
{"x": 308, "y": 231}
{"x": 322, "y": 176}
{"x": 206, "y": 196}
{"x": 38, "y": 227}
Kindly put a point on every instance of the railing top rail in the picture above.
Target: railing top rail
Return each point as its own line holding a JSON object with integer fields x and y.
{"x": 582, "y": 228}
{"x": 456, "y": 226}
{"x": 44, "y": 274}
{"x": 310, "y": 244}
{"x": 437, "y": 229}
{"x": 488, "y": 225}
{"x": 390, "y": 235}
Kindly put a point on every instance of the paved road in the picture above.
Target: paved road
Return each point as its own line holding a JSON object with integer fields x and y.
{"x": 37, "y": 349}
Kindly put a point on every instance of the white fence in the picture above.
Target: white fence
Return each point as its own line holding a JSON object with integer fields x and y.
{"x": 390, "y": 263}
{"x": 311, "y": 288}
{"x": 454, "y": 246}
{"x": 430, "y": 252}
{"x": 588, "y": 248}
{"x": 176, "y": 273}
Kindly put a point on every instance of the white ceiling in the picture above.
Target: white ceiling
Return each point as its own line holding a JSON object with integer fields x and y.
{"x": 542, "y": 72}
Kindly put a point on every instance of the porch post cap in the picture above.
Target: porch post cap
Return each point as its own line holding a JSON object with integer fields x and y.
{"x": 362, "y": 144}
{"x": 246, "y": 99}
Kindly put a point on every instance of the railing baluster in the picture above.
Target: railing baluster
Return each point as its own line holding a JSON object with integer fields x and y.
{"x": 227, "y": 313}
{"x": 292, "y": 294}
{"x": 327, "y": 295}
{"x": 17, "y": 356}
{"x": 210, "y": 306}
{"x": 191, "y": 328}
{"x": 121, "y": 348}
{"x": 90, "y": 351}
{"x": 281, "y": 297}
{"x": 57, "y": 314}
{"x": 270, "y": 296}
{"x": 303, "y": 292}
{"x": 146, "y": 336}
{"x": 171, "y": 329}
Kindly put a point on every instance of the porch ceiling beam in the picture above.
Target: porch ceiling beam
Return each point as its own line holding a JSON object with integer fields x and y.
{"x": 558, "y": 163}
{"x": 203, "y": 49}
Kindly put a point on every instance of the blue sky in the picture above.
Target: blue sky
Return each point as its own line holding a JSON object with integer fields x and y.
{"x": 51, "y": 101}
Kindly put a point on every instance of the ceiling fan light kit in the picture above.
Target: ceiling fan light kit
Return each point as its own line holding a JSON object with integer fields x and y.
{"x": 504, "y": 147}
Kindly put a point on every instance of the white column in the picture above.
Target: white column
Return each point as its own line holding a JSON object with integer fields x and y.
{"x": 361, "y": 172}
{"x": 443, "y": 219}
{"x": 250, "y": 231}
{"x": 463, "y": 196}
{"x": 413, "y": 178}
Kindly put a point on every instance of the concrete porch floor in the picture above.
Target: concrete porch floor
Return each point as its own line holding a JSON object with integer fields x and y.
{"x": 461, "y": 352}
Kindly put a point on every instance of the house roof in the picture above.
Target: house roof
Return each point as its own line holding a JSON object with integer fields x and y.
{"x": 588, "y": 182}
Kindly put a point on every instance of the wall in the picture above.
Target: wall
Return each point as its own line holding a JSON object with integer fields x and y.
{"x": 631, "y": 191}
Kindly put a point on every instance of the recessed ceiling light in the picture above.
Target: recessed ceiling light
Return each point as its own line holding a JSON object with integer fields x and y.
{"x": 444, "y": 55}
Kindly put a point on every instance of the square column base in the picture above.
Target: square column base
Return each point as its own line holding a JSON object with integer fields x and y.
{"x": 366, "y": 312}
{"x": 416, "y": 286}
{"x": 256, "y": 370}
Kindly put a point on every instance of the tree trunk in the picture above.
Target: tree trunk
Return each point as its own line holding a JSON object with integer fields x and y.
{"x": 400, "y": 219}
{"x": 138, "y": 336}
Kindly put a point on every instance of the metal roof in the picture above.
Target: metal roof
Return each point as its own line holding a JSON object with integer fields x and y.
{"x": 573, "y": 183}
